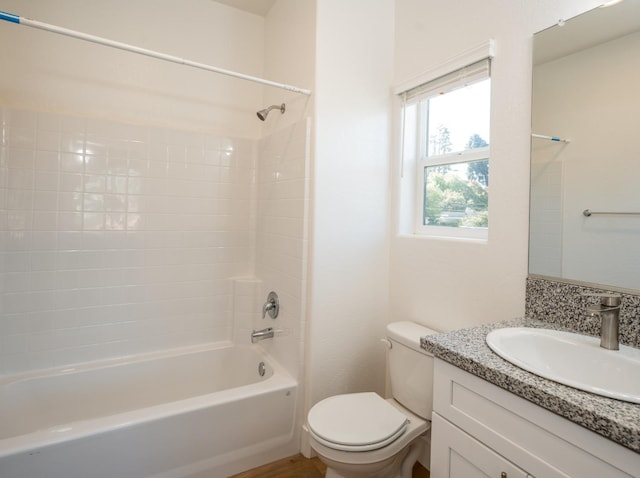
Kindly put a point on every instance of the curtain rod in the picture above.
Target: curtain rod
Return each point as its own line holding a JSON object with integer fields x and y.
{"x": 550, "y": 138}
{"x": 10, "y": 17}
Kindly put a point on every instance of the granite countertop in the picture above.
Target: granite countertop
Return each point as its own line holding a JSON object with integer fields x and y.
{"x": 467, "y": 349}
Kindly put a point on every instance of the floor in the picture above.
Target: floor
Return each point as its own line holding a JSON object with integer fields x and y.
{"x": 298, "y": 466}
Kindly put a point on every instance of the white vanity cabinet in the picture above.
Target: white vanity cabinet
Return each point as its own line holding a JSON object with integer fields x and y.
{"x": 481, "y": 430}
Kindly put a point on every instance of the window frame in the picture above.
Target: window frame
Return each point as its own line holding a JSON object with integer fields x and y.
{"x": 424, "y": 160}
{"x": 418, "y": 96}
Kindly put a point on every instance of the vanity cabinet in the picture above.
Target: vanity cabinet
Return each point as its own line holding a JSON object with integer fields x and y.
{"x": 481, "y": 430}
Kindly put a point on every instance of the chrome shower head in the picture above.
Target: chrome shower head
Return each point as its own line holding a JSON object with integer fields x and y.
{"x": 262, "y": 114}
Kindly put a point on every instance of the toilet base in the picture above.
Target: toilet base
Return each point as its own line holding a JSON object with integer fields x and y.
{"x": 397, "y": 466}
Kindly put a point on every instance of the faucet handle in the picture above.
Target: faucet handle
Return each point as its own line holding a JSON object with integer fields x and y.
{"x": 271, "y": 306}
{"x": 608, "y": 299}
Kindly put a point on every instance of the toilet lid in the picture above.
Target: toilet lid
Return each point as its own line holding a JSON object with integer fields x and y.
{"x": 356, "y": 422}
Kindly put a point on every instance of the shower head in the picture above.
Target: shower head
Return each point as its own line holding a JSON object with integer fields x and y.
{"x": 262, "y": 114}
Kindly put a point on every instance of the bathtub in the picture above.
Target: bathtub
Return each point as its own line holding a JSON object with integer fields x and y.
{"x": 198, "y": 412}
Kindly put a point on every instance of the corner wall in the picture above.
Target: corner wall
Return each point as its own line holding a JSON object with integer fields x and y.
{"x": 349, "y": 264}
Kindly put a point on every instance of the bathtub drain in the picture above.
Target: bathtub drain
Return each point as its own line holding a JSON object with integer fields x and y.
{"x": 261, "y": 369}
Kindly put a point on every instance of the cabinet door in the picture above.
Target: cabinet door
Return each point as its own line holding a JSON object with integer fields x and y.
{"x": 455, "y": 454}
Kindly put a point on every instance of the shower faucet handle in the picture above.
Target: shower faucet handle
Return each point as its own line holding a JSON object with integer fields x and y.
{"x": 271, "y": 306}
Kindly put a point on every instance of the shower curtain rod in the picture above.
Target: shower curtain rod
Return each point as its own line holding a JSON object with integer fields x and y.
{"x": 550, "y": 138}
{"x": 10, "y": 17}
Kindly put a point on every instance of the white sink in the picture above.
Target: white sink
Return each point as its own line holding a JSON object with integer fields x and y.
{"x": 571, "y": 359}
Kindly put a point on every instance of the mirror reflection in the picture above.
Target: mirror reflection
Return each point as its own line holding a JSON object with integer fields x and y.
{"x": 585, "y": 149}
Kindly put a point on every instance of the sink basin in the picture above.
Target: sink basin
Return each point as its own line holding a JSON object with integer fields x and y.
{"x": 571, "y": 359}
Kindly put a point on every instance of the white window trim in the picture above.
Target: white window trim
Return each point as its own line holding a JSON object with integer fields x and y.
{"x": 474, "y": 55}
{"x": 424, "y": 160}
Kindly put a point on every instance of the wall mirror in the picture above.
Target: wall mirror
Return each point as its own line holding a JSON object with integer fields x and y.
{"x": 585, "y": 149}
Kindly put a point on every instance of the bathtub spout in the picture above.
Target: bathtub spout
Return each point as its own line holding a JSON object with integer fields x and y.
{"x": 258, "y": 335}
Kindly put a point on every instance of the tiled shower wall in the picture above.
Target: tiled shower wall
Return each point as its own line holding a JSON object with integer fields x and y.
{"x": 283, "y": 194}
{"x": 282, "y": 191}
{"x": 117, "y": 239}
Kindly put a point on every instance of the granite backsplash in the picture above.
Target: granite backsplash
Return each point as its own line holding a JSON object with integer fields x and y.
{"x": 565, "y": 304}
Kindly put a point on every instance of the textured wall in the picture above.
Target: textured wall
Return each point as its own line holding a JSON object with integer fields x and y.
{"x": 449, "y": 284}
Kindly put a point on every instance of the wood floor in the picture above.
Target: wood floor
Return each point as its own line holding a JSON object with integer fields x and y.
{"x": 298, "y": 466}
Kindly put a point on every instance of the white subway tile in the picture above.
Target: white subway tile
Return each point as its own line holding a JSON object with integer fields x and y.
{"x": 70, "y": 182}
{"x": 19, "y": 199}
{"x": 48, "y": 140}
{"x": 93, "y": 202}
{"x": 72, "y": 142}
{"x": 46, "y": 180}
{"x": 15, "y": 261}
{"x": 16, "y": 282}
{"x": 126, "y": 250}
{"x": 95, "y": 164}
{"x": 45, "y": 201}
{"x": 70, "y": 221}
{"x": 44, "y": 240}
{"x": 47, "y": 160}
{"x": 96, "y": 144}
{"x": 21, "y": 138}
{"x": 93, "y": 221}
{"x": 20, "y": 179}
{"x": 95, "y": 184}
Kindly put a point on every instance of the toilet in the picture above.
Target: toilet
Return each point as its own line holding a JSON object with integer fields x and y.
{"x": 360, "y": 435}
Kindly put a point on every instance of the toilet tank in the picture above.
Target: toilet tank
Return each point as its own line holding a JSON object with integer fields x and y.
{"x": 410, "y": 367}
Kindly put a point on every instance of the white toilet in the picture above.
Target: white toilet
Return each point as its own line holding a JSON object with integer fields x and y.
{"x": 360, "y": 435}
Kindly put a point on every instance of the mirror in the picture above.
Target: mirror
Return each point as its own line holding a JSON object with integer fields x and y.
{"x": 585, "y": 149}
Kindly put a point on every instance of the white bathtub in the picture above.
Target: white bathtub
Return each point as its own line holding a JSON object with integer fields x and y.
{"x": 202, "y": 412}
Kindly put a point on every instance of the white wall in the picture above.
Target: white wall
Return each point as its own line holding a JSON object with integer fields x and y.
{"x": 289, "y": 57}
{"x": 594, "y": 169}
{"x": 349, "y": 265}
{"x": 46, "y": 71}
{"x": 451, "y": 284}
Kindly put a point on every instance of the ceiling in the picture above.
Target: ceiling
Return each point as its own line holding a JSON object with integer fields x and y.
{"x": 257, "y": 7}
{"x": 584, "y": 31}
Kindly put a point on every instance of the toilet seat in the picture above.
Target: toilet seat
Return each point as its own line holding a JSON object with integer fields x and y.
{"x": 356, "y": 422}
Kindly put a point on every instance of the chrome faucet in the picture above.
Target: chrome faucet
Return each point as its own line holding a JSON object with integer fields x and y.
{"x": 271, "y": 306}
{"x": 609, "y": 311}
{"x": 258, "y": 335}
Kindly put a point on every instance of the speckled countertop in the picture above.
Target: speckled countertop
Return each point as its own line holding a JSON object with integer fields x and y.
{"x": 467, "y": 349}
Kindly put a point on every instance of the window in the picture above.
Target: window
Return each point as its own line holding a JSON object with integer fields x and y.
{"x": 446, "y": 130}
